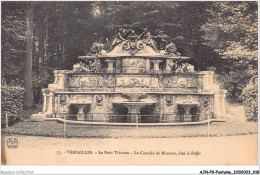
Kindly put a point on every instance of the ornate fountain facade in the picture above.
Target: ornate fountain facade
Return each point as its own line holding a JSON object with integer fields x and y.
{"x": 133, "y": 82}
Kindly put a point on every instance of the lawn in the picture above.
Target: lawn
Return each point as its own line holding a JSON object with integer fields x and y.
{"x": 55, "y": 129}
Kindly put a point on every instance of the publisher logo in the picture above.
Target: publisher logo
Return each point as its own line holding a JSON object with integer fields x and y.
{"x": 12, "y": 143}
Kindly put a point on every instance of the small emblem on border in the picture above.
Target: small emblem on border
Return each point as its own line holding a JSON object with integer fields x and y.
{"x": 12, "y": 143}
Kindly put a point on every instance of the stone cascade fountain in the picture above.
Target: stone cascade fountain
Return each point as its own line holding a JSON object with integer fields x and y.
{"x": 134, "y": 75}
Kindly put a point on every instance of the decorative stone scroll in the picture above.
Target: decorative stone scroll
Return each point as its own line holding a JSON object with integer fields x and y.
{"x": 109, "y": 81}
{"x": 179, "y": 82}
{"x": 171, "y": 49}
{"x": 133, "y": 81}
{"x": 132, "y": 42}
{"x": 170, "y": 82}
{"x": 182, "y": 82}
{"x": 86, "y": 81}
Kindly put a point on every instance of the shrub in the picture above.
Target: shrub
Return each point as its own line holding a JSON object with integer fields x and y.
{"x": 234, "y": 82}
{"x": 250, "y": 99}
{"x": 11, "y": 103}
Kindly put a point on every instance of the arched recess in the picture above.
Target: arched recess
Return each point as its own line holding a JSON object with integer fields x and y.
{"x": 147, "y": 114}
{"x": 151, "y": 66}
{"x": 180, "y": 113}
{"x": 194, "y": 113}
{"x": 162, "y": 65}
{"x": 73, "y": 111}
{"x": 120, "y": 114}
{"x": 104, "y": 65}
{"x": 87, "y": 114}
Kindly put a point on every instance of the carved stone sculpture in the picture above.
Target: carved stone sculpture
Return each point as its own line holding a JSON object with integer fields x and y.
{"x": 169, "y": 100}
{"x": 171, "y": 49}
{"x": 99, "y": 100}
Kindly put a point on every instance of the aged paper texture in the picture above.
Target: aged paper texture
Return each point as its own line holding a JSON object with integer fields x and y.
{"x": 129, "y": 83}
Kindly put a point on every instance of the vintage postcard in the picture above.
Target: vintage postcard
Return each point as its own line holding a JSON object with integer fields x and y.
{"x": 130, "y": 83}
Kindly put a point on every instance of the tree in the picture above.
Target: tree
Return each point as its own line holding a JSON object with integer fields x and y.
{"x": 177, "y": 22}
{"x": 232, "y": 31}
{"x": 28, "y": 100}
{"x": 12, "y": 47}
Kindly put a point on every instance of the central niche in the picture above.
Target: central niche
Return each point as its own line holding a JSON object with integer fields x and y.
{"x": 147, "y": 114}
{"x": 120, "y": 114}
{"x": 187, "y": 112}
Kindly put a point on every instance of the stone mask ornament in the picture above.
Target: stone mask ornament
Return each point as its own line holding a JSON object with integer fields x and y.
{"x": 63, "y": 100}
{"x": 205, "y": 102}
{"x": 168, "y": 101}
{"x": 99, "y": 100}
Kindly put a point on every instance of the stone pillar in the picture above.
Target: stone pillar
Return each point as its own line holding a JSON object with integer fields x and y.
{"x": 222, "y": 100}
{"x": 66, "y": 82}
{"x": 118, "y": 65}
{"x": 156, "y": 65}
{"x": 80, "y": 115}
{"x": 168, "y": 68}
{"x": 61, "y": 83}
{"x": 200, "y": 83}
{"x": 208, "y": 81}
{"x": 61, "y": 105}
{"x": 100, "y": 107}
{"x": 110, "y": 65}
{"x": 162, "y": 107}
{"x": 98, "y": 65}
{"x": 48, "y": 98}
{"x": 217, "y": 108}
{"x": 134, "y": 111}
{"x": 60, "y": 80}
{"x": 220, "y": 103}
{"x": 147, "y": 64}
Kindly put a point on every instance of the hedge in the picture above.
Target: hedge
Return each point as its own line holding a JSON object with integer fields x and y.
{"x": 250, "y": 99}
{"x": 12, "y": 103}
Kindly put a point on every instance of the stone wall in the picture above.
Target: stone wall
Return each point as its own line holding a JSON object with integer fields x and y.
{"x": 96, "y": 93}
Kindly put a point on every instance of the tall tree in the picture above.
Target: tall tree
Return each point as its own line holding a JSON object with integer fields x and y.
{"x": 13, "y": 49}
{"x": 232, "y": 31}
{"x": 28, "y": 100}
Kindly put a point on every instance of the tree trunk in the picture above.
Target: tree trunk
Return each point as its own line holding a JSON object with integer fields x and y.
{"x": 42, "y": 24}
{"x": 45, "y": 43}
{"x": 28, "y": 100}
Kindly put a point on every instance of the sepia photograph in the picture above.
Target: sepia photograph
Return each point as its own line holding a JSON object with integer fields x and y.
{"x": 112, "y": 83}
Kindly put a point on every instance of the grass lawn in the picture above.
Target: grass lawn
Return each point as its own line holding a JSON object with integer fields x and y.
{"x": 233, "y": 126}
{"x": 55, "y": 129}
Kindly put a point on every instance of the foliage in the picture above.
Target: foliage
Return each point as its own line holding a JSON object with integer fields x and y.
{"x": 13, "y": 35}
{"x": 234, "y": 80}
{"x": 250, "y": 99}
{"x": 176, "y": 22}
{"x": 232, "y": 31}
{"x": 96, "y": 48}
{"x": 11, "y": 103}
